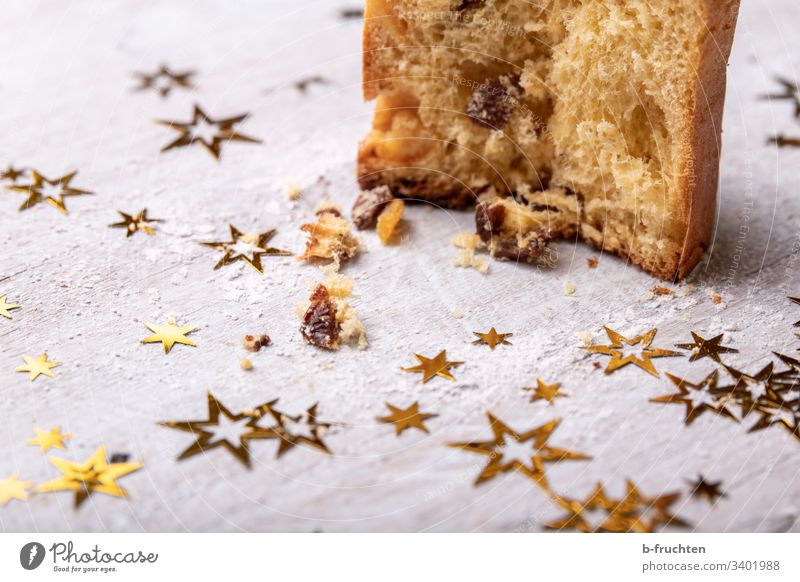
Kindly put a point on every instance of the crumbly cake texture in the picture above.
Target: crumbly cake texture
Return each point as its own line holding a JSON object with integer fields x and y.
{"x": 558, "y": 119}
{"x": 328, "y": 321}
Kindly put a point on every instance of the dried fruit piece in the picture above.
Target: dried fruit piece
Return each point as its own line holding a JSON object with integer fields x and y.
{"x": 591, "y": 263}
{"x": 320, "y": 327}
{"x": 470, "y": 4}
{"x": 657, "y": 290}
{"x": 369, "y": 204}
{"x": 389, "y": 219}
{"x": 330, "y": 238}
{"x": 253, "y": 343}
{"x": 489, "y": 220}
{"x": 492, "y": 104}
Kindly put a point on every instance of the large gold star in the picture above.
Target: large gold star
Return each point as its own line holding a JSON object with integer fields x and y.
{"x": 703, "y": 348}
{"x": 698, "y": 397}
{"x": 169, "y": 335}
{"x": 641, "y": 514}
{"x": 94, "y": 475}
{"x": 164, "y": 80}
{"x": 528, "y": 459}
{"x": 36, "y": 367}
{"x": 492, "y": 339}
{"x": 642, "y": 359}
{"x": 51, "y": 191}
{"x": 241, "y": 245}
{"x": 5, "y": 307}
{"x": 13, "y": 488}
{"x": 708, "y": 490}
{"x": 210, "y": 133}
{"x": 594, "y": 514}
{"x": 233, "y": 431}
{"x": 438, "y": 366}
{"x": 133, "y": 223}
{"x": 405, "y": 418}
{"x": 547, "y": 392}
{"x": 48, "y": 439}
{"x": 303, "y": 429}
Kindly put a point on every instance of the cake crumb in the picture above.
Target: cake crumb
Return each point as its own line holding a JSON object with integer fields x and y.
{"x": 591, "y": 263}
{"x": 658, "y": 290}
{"x": 246, "y": 364}
{"x": 293, "y": 192}
{"x": 467, "y": 240}
{"x": 585, "y": 337}
{"x": 716, "y": 298}
{"x": 327, "y": 318}
{"x": 330, "y": 238}
{"x": 570, "y": 288}
{"x": 467, "y": 259}
{"x": 369, "y": 205}
{"x": 253, "y": 343}
{"x": 456, "y": 314}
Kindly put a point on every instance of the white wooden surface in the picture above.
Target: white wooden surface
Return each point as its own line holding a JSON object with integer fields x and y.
{"x": 65, "y": 85}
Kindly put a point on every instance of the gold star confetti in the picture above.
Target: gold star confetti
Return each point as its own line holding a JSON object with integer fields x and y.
{"x": 133, "y": 223}
{"x": 36, "y": 367}
{"x": 547, "y": 392}
{"x": 5, "y": 307}
{"x": 698, "y": 397}
{"x": 760, "y": 389}
{"x": 210, "y": 133}
{"x": 796, "y": 301}
{"x": 597, "y": 513}
{"x": 640, "y": 514}
{"x": 13, "y": 488}
{"x": 303, "y": 429}
{"x": 703, "y": 348}
{"x": 708, "y": 490}
{"x": 51, "y": 191}
{"x": 785, "y": 142}
{"x": 405, "y": 418}
{"x": 524, "y": 452}
{"x": 224, "y": 429}
{"x": 791, "y": 92}
{"x": 492, "y": 338}
{"x": 242, "y": 245}
{"x": 621, "y": 356}
{"x": 438, "y": 366}
{"x": 164, "y": 80}
{"x": 11, "y": 174}
{"x": 785, "y": 414}
{"x": 48, "y": 439}
{"x": 94, "y": 475}
{"x": 169, "y": 335}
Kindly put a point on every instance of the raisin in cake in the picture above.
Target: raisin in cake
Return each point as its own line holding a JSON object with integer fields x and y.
{"x": 597, "y": 119}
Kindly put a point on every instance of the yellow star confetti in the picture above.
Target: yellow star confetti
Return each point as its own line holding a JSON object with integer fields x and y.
{"x": 547, "y": 392}
{"x": 430, "y": 367}
{"x": 703, "y": 348}
{"x": 524, "y": 452}
{"x": 169, "y": 335}
{"x": 133, "y": 223}
{"x": 492, "y": 339}
{"x": 36, "y": 367}
{"x": 48, "y": 439}
{"x": 406, "y": 418}
{"x": 708, "y": 490}
{"x": 224, "y": 429}
{"x": 13, "y": 488}
{"x": 6, "y": 308}
{"x": 51, "y": 191}
{"x": 241, "y": 245}
{"x": 94, "y": 475}
{"x": 210, "y": 133}
{"x": 621, "y": 355}
{"x": 698, "y": 398}
{"x": 164, "y": 80}
{"x": 303, "y": 429}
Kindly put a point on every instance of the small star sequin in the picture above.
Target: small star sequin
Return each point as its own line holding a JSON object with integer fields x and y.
{"x": 224, "y": 429}
{"x": 302, "y": 85}
{"x": 751, "y": 390}
{"x": 431, "y": 367}
{"x": 783, "y": 141}
{"x": 12, "y": 174}
{"x": 406, "y": 418}
{"x": 796, "y": 301}
{"x": 164, "y": 80}
{"x": 524, "y": 452}
{"x": 94, "y": 475}
{"x": 133, "y": 223}
{"x": 492, "y": 339}
{"x": 547, "y": 392}
{"x": 791, "y": 92}
{"x": 708, "y": 490}
{"x": 36, "y": 367}
{"x": 703, "y": 348}
{"x": 622, "y": 356}
{"x": 6, "y": 307}
{"x": 208, "y": 132}
{"x": 698, "y": 398}
{"x": 169, "y": 335}
{"x": 13, "y": 488}
{"x": 303, "y": 429}
{"x": 48, "y": 439}
{"x": 53, "y": 192}
{"x": 785, "y": 414}
{"x": 241, "y": 245}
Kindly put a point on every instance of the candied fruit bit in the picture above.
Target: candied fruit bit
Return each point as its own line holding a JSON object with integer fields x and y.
{"x": 319, "y": 327}
{"x": 492, "y": 104}
{"x": 389, "y": 219}
{"x": 533, "y": 250}
{"x": 489, "y": 220}
{"x": 470, "y": 5}
{"x": 369, "y": 204}
{"x": 253, "y": 343}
